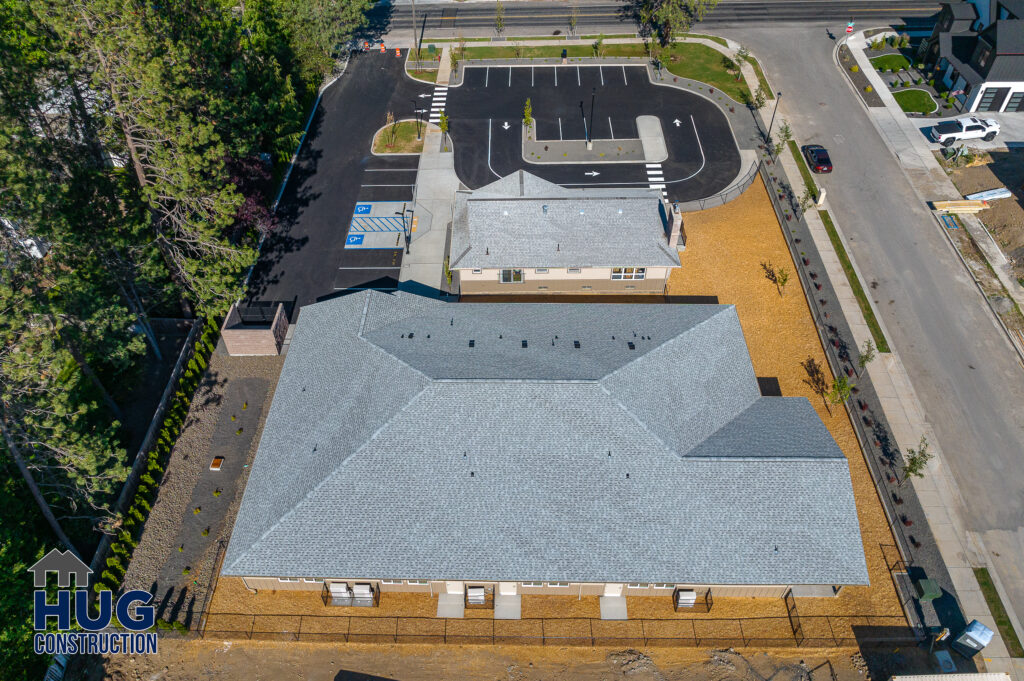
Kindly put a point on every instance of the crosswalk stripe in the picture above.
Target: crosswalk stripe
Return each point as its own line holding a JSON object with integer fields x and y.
{"x": 657, "y": 186}
{"x": 653, "y": 165}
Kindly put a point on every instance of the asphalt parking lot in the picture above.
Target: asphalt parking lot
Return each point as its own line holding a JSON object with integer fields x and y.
{"x": 305, "y": 259}
{"x": 703, "y": 156}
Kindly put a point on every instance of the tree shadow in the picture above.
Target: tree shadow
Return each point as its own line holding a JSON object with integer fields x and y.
{"x": 378, "y": 23}
{"x": 815, "y": 380}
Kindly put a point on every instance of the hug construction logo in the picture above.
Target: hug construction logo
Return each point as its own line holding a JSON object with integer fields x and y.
{"x": 92, "y": 634}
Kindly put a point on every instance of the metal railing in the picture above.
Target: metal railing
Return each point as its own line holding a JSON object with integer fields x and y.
{"x": 726, "y": 195}
{"x": 816, "y": 631}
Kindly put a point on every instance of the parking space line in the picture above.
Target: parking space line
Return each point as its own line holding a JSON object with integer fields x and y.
{"x": 556, "y": 75}
{"x": 624, "y": 79}
{"x": 559, "y": 127}
{"x": 610, "y": 127}
{"x": 600, "y": 69}
{"x": 489, "y": 149}
{"x": 510, "y": 76}
{"x": 578, "y": 77}
{"x": 387, "y": 185}
{"x": 531, "y": 76}
{"x": 391, "y": 170}
{"x": 487, "y": 76}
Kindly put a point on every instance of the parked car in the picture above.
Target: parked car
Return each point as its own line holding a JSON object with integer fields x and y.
{"x": 817, "y": 158}
{"x": 967, "y": 128}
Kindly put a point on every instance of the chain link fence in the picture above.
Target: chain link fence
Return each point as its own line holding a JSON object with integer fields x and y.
{"x": 726, "y": 195}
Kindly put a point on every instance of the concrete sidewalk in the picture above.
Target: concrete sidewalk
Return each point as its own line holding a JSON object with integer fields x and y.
{"x": 905, "y": 416}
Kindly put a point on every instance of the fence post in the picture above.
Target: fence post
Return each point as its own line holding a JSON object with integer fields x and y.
{"x": 643, "y": 632}
{"x": 591, "y": 621}
{"x": 252, "y": 625}
{"x": 396, "y": 629}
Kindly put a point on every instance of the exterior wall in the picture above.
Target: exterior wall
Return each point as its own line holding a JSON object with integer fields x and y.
{"x": 241, "y": 340}
{"x": 573, "y": 589}
{"x": 559, "y": 280}
{"x": 976, "y": 95}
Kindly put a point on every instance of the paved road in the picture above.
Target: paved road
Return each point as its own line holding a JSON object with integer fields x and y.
{"x": 306, "y": 259}
{"x": 965, "y": 373}
{"x": 546, "y": 17}
{"x": 702, "y": 154}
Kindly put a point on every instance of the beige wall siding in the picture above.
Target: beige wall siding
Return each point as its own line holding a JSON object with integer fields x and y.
{"x": 274, "y": 584}
{"x": 650, "y": 285}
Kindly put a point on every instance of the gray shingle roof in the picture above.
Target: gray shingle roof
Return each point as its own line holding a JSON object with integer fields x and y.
{"x": 524, "y": 221}
{"x": 390, "y": 457}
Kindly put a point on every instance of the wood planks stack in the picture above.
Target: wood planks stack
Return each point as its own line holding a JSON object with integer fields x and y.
{"x": 960, "y": 207}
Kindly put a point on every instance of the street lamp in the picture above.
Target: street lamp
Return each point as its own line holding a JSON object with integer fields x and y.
{"x": 593, "y": 96}
{"x": 405, "y": 226}
{"x": 778, "y": 98}
{"x": 417, "y": 111}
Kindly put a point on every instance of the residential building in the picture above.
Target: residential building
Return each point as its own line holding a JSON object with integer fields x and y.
{"x": 525, "y": 235}
{"x": 486, "y": 452}
{"x": 978, "y": 48}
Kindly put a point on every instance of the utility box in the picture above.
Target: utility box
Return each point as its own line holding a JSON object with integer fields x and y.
{"x": 973, "y": 639}
{"x": 927, "y": 589}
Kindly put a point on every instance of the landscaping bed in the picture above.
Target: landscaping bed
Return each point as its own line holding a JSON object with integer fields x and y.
{"x": 913, "y": 86}
{"x": 916, "y": 100}
{"x": 429, "y": 75}
{"x": 860, "y": 81}
{"x": 400, "y": 138}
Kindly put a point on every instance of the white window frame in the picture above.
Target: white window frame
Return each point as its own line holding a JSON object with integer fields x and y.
{"x": 664, "y": 586}
{"x": 511, "y": 276}
{"x": 541, "y": 270}
{"x": 417, "y": 582}
{"x": 288, "y": 580}
{"x": 574, "y": 270}
{"x": 630, "y": 273}
{"x": 532, "y": 584}
{"x": 391, "y": 581}
{"x": 558, "y": 585}
{"x": 312, "y": 580}
{"x": 638, "y": 586}
{"x": 477, "y": 270}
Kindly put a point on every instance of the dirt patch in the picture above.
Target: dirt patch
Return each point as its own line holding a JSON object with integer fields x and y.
{"x": 1005, "y": 217}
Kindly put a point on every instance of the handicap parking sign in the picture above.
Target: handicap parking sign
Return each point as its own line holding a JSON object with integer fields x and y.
{"x": 362, "y": 209}
{"x": 354, "y": 240}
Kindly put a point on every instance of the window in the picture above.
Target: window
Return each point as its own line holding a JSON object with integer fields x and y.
{"x": 477, "y": 271}
{"x": 558, "y": 584}
{"x": 983, "y": 55}
{"x": 542, "y": 288}
{"x": 629, "y": 272}
{"x": 309, "y": 580}
{"x": 511, "y": 276}
{"x": 664, "y": 586}
{"x": 638, "y": 586}
{"x": 287, "y": 579}
{"x": 390, "y": 581}
{"x": 573, "y": 270}
{"x": 416, "y": 582}
{"x": 541, "y": 270}
{"x": 533, "y": 583}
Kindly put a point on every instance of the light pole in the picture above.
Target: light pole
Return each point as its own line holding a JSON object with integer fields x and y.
{"x": 405, "y": 227}
{"x": 778, "y": 98}
{"x": 593, "y": 97}
{"x": 414, "y": 45}
{"x": 417, "y": 111}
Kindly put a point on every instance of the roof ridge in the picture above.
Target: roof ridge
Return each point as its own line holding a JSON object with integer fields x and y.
{"x": 327, "y": 477}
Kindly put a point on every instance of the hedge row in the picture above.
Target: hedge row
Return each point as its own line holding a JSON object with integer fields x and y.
{"x": 133, "y": 521}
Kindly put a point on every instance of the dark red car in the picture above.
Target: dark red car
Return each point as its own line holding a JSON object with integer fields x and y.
{"x": 817, "y": 158}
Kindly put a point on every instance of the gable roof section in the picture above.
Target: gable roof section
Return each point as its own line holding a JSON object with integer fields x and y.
{"x": 431, "y": 462}
{"x": 1007, "y": 64}
{"x": 524, "y": 221}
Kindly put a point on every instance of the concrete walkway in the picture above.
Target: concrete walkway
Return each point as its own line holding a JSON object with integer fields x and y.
{"x": 905, "y": 416}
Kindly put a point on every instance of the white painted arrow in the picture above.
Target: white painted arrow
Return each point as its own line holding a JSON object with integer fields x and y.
{"x": 422, "y": 96}
{"x": 677, "y": 122}
{"x": 506, "y": 126}
{"x": 592, "y": 173}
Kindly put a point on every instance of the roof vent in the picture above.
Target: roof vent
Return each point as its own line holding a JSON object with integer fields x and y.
{"x": 582, "y": 212}
{"x": 524, "y": 343}
{"x": 627, "y": 476}
{"x": 545, "y": 208}
{"x": 452, "y": 322}
{"x": 620, "y": 211}
{"x": 505, "y": 213}
{"x": 411, "y": 334}
{"x": 576, "y": 344}
{"x": 472, "y": 474}
{"x": 631, "y": 345}
{"x": 472, "y": 343}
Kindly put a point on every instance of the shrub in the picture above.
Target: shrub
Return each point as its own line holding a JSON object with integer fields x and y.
{"x": 854, "y": 68}
{"x": 206, "y": 532}
{"x": 905, "y": 83}
{"x": 931, "y": 82}
{"x": 947, "y": 106}
{"x": 920, "y": 65}
{"x": 181, "y": 548}
{"x": 216, "y": 492}
{"x": 868, "y": 88}
{"x": 147, "y": 479}
{"x": 186, "y": 571}
{"x": 918, "y": 81}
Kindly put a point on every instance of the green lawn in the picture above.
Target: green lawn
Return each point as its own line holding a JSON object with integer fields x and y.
{"x": 890, "y": 61}
{"x": 995, "y": 606}
{"x": 404, "y": 142}
{"x": 916, "y": 101}
{"x": 761, "y": 80}
{"x": 851, "y": 276}
{"x": 429, "y": 75}
{"x": 805, "y": 172}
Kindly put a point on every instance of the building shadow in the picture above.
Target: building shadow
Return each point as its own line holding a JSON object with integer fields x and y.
{"x": 347, "y": 675}
{"x": 890, "y": 651}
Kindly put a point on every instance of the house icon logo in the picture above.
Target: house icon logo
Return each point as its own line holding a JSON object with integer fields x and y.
{"x": 65, "y": 564}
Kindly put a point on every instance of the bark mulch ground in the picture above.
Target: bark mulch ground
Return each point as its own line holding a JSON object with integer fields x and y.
{"x": 859, "y": 80}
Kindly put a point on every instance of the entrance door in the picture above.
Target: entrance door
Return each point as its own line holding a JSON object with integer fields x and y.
{"x": 612, "y": 589}
{"x": 992, "y": 98}
{"x": 454, "y": 587}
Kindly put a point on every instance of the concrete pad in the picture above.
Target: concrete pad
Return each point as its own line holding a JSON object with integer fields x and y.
{"x": 652, "y": 137}
{"x": 508, "y": 607}
{"x": 451, "y": 605}
{"x": 613, "y": 608}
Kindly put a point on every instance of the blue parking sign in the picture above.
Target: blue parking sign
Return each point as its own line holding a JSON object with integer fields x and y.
{"x": 362, "y": 209}
{"x": 354, "y": 240}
